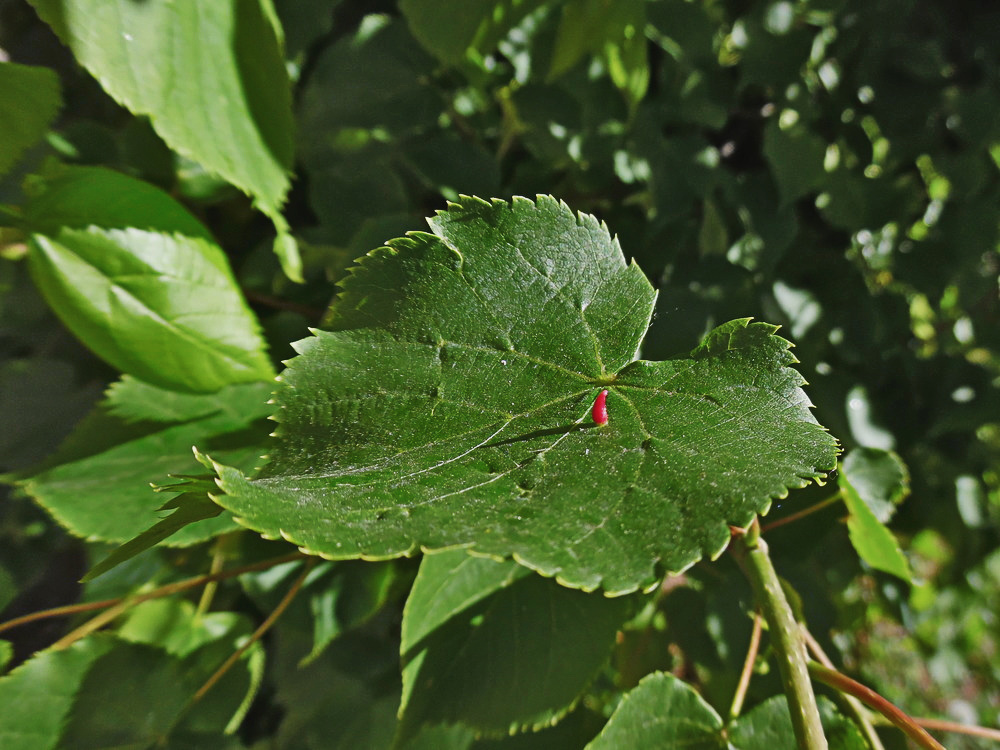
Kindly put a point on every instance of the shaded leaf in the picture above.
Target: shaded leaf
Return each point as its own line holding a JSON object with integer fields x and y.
{"x": 662, "y": 711}
{"x": 38, "y": 695}
{"x": 29, "y": 102}
{"x": 769, "y": 726}
{"x": 451, "y": 29}
{"x": 450, "y": 405}
{"x": 187, "y": 508}
{"x": 97, "y": 484}
{"x": 73, "y": 197}
{"x": 489, "y": 647}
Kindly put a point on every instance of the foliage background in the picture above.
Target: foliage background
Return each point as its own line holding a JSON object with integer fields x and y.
{"x": 832, "y": 166}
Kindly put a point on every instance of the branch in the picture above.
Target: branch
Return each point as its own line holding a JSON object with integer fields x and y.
{"x": 870, "y": 698}
{"x": 167, "y": 590}
{"x": 741, "y": 688}
{"x": 786, "y": 636}
{"x": 850, "y": 704}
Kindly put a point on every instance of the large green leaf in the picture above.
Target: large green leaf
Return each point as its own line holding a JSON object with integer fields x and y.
{"x": 450, "y": 406}
{"x": 29, "y": 102}
{"x": 64, "y": 197}
{"x": 60, "y": 699}
{"x": 489, "y": 645}
{"x": 210, "y": 76}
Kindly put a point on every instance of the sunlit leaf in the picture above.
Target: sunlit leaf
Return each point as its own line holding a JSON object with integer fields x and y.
{"x": 449, "y": 405}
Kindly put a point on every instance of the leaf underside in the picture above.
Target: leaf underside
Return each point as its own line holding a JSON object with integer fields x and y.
{"x": 448, "y": 405}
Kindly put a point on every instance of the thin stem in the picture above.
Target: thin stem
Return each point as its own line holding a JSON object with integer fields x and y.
{"x": 63, "y": 611}
{"x": 258, "y": 633}
{"x": 786, "y": 636}
{"x": 741, "y": 688}
{"x": 801, "y": 514}
{"x": 167, "y": 590}
{"x": 851, "y": 705}
{"x": 953, "y": 726}
{"x": 869, "y": 697}
{"x": 208, "y": 593}
{"x": 94, "y": 623}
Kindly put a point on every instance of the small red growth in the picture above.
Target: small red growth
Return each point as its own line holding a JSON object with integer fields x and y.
{"x": 600, "y": 410}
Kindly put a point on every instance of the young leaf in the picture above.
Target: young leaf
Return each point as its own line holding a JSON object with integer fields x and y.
{"x": 449, "y": 405}
{"x": 489, "y": 645}
{"x": 662, "y": 711}
{"x": 872, "y": 482}
{"x": 210, "y": 76}
{"x": 873, "y": 542}
{"x": 29, "y": 102}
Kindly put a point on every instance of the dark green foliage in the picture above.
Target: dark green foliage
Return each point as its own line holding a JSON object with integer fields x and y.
{"x": 193, "y": 194}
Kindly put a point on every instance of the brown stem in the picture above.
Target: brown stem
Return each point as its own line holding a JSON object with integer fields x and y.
{"x": 258, "y": 633}
{"x": 869, "y": 697}
{"x": 953, "y": 726}
{"x": 748, "y": 662}
{"x": 167, "y": 590}
{"x": 851, "y": 705}
{"x": 800, "y": 514}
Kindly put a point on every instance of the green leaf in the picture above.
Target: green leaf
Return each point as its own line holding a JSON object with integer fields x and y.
{"x": 157, "y": 306}
{"x": 873, "y": 542}
{"x": 6, "y": 654}
{"x": 450, "y": 583}
{"x": 662, "y": 711}
{"x": 880, "y": 478}
{"x": 450, "y": 406}
{"x": 29, "y": 102}
{"x": 178, "y": 628}
{"x": 335, "y": 598}
{"x": 796, "y": 158}
{"x": 210, "y": 77}
{"x": 169, "y": 285}
{"x": 110, "y": 456}
{"x": 188, "y": 508}
{"x": 769, "y": 726}
{"x": 615, "y": 30}
{"x": 151, "y": 691}
{"x": 61, "y": 196}
{"x": 490, "y": 646}
{"x": 452, "y": 29}
{"x": 38, "y": 695}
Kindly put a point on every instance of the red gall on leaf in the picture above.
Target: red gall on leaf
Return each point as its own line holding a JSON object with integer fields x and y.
{"x": 600, "y": 411}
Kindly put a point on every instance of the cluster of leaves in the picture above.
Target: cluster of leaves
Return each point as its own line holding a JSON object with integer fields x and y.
{"x": 829, "y": 165}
